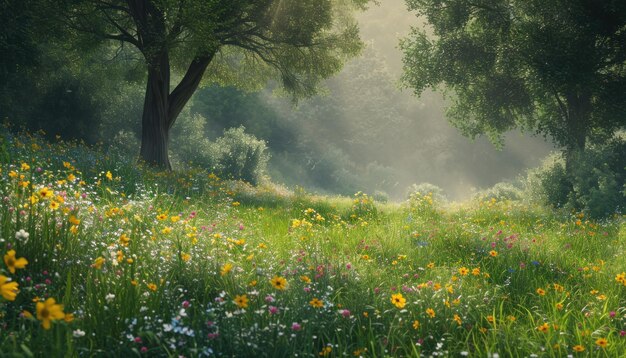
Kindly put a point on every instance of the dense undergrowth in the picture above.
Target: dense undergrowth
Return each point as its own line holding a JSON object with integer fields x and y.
{"x": 186, "y": 264}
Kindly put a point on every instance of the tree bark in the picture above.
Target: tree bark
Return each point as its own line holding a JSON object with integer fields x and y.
{"x": 155, "y": 122}
{"x": 579, "y": 109}
{"x": 161, "y": 108}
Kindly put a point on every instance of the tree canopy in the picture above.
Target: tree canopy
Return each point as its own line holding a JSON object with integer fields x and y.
{"x": 554, "y": 66}
{"x": 240, "y": 42}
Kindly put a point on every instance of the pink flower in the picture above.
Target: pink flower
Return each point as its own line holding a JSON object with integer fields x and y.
{"x": 296, "y": 326}
{"x": 137, "y": 339}
{"x": 213, "y": 335}
{"x": 186, "y": 304}
{"x": 612, "y": 314}
{"x": 345, "y": 313}
{"x": 273, "y": 309}
{"x": 144, "y": 349}
{"x": 348, "y": 266}
{"x": 269, "y": 299}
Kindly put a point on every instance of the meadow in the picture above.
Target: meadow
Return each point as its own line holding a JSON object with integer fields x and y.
{"x": 105, "y": 258}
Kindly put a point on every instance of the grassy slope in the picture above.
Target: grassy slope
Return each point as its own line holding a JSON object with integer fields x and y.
{"x": 168, "y": 290}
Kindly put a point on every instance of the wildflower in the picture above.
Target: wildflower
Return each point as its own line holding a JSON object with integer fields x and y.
{"x": 544, "y": 328}
{"x": 175, "y": 218}
{"x": 54, "y": 205}
{"x": 493, "y": 253}
{"x": 416, "y": 324}
{"x": 398, "y": 300}
{"x": 185, "y": 257}
{"x": 152, "y": 286}
{"x": 305, "y": 279}
{"x": 463, "y": 271}
{"x": 8, "y": 289}
{"x": 476, "y": 271}
{"x": 98, "y": 262}
{"x": 559, "y": 306}
{"x": 236, "y": 203}
{"x": 21, "y": 235}
{"x": 78, "y": 333}
{"x": 430, "y": 265}
{"x": 279, "y": 283}
{"x": 272, "y": 309}
{"x": 326, "y": 351}
{"x": 296, "y": 326}
{"x": 602, "y": 342}
{"x": 109, "y": 175}
{"x": 49, "y": 311}
{"x": 541, "y": 292}
{"x": 74, "y": 220}
{"x": 226, "y": 269}
{"x": 578, "y": 348}
{"x": 14, "y": 263}
{"x": 316, "y": 303}
{"x": 124, "y": 240}
{"x": 25, "y": 167}
{"x": 457, "y": 319}
{"x": 161, "y": 217}
{"x": 241, "y": 301}
{"x": 490, "y": 319}
{"x": 430, "y": 312}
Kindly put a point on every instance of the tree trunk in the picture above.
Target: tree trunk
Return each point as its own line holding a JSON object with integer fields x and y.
{"x": 161, "y": 109}
{"x": 155, "y": 122}
{"x": 579, "y": 109}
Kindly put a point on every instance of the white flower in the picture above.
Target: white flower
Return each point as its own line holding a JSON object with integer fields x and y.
{"x": 78, "y": 333}
{"x": 22, "y": 235}
{"x": 110, "y": 297}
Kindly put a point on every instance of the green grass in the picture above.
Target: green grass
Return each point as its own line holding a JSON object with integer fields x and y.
{"x": 166, "y": 292}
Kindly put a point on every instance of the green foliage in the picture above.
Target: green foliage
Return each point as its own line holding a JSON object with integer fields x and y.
{"x": 596, "y": 185}
{"x": 518, "y": 64}
{"x": 427, "y": 189}
{"x": 500, "y": 192}
{"x": 241, "y": 155}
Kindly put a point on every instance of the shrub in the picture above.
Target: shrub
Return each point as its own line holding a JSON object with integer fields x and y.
{"x": 500, "y": 192}
{"x": 241, "y": 155}
{"x": 595, "y": 184}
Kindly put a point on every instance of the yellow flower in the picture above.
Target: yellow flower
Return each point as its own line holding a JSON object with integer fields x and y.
{"x": 491, "y": 319}
{"x": 544, "y": 328}
{"x": 463, "y": 271}
{"x": 175, "y": 218}
{"x": 457, "y": 319}
{"x": 476, "y": 271}
{"x": 14, "y": 263}
{"x": 241, "y": 301}
{"x": 161, "y": 217}
{"x": 559, "y": 306}
{"x": 185, "y": 257}
{"x": 578, "y": 348}
{"x": 602, "y": 342}
{"x": 25, "y": 167}
{"x": 315, "y": 302}
{"x": 98, "y": 262}
{"x": 326, "y": 351}
{"x": 541, "y": 292}
{"x": 124, "y": 240}
{"x": 430, "y": 312}
{"x": 430, "y": 265}
{"x": 236, "y": 203}
{"x": 226, "y": 269}
{"x": 416, "y": 324}
{"x": 109, "y": 175}
{"x": 493, "y": 253}
{"x": 305, "y": 279}
{"x": 279, "y": 283}
{"x": 152, "y": 286}
{"x": 74, "y": 220}
{"x": 49, "y": 311}
{"x": 398, "y": 300}
{"x": 8, "y": 289}
{"x": 54, "y": 205}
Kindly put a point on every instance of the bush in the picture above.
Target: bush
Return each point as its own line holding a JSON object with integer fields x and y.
{"x": 594, "y": 186}
{"x": 241, "y": 156}
{"x": 500, "y": 192}
{"x": 427, "y": 189}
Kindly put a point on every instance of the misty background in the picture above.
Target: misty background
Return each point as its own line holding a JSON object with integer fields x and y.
{"x": 361, "y": 134}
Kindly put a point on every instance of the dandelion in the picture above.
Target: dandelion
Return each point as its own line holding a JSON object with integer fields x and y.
{"x": 49, "y": 311}
{"x": 316, "y": 303}
{"x": 14, "y": 263}
{"x": 8, "y": 289}
{"x": 602, "y": 342}
{"x": 279, "y": 283}
{"x": 493, "y": 253}
{"x": 241, "y": 301}
{"x": 398, "y": 300}
{"x": 578, "y": 348}
{"x": 430, "y": 312}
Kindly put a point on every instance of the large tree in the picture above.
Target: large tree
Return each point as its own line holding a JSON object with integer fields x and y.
{"x": 554, "y": 66}
{"x": 298, "y": 42}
